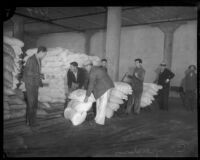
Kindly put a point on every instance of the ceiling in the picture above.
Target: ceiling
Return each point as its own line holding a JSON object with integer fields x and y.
{"x": 42, "y": 20}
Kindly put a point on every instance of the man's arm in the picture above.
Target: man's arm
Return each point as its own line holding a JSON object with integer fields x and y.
{"x": 69, "y": 80}
{"x": 81, "y": 78}
{"x": 92, "y": 78}
{"x": 169, "y": 76}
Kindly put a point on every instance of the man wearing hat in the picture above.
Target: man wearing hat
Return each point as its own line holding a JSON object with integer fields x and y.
{"x": 163, "y": 79}
{"x": 100, "y": 85}
{"x": 76, "y": 77}
{"x": 190, "y": 87}
{"x": 137, "y": 80}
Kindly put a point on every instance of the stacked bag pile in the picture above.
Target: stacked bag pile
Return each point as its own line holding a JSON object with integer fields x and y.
{"x": 149, "y": 91}
{"x": 14, "y": 104}
{"x": 76, "y": 110}
{"x": 13, "y": 59}
{"x": 119, "y": 93}
{"x": 55, "y": 67}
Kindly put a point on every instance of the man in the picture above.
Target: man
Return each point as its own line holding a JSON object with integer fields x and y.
{"x": 190, "y": 87}
{"x": 100, "y": 85}
{"x": 137, "y": 86}
{"x": 104, "y": 64}
{"x": 76, "y": 77}
{"x": 32, "y": 78}
{"x": 163, "y": 79}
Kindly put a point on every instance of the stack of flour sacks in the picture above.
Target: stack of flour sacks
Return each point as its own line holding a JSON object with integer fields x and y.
{"x": 12, "y": 51}
{"x": 55, "y": 66}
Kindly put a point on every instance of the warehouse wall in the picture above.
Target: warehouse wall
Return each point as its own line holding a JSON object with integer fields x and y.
{"x": 141, "y": 41}
{"x": 146, "y": 42}
{"x": 71, "y": 41}
{"x": 184, "y": 50}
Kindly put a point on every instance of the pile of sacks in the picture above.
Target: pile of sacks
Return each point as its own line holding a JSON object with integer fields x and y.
{"x": 76, "y": 110}
{"x": 14, "y": 106}
{"x": 149, "y": 91}
{"x": 55, "y": 67}
{"x": 12, "y": 62}
{"x": 119, "y": 93}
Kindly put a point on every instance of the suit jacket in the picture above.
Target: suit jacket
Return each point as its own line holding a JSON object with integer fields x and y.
{"x": 104, "y": 68}
{"x": 99, "y": 82}
{"x": 31, "y": 74}
{"x": 163, "y": 76}
{"x": 81, "y": 78}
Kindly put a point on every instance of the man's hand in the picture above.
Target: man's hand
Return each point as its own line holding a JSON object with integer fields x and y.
{"x": 167, "y": 80}
{"x": 86, "y": 99}
{"x": 74, "y": 86}
{"x": 42, "y": 76}
{"x": 136, "y": 74}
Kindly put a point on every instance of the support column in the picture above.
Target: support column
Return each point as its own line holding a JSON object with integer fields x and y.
{"x": 168, "y": 30}
{"x": 88, "y": 35}
{"x": 18, "y": 27}
{"x": 113, "y": 41}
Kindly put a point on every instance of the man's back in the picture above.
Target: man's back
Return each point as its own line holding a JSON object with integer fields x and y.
{"x": 100, "y": 81}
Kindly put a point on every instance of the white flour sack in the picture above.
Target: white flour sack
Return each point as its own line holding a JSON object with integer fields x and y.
{"x": 13, "y": 41}
{"x": 80, "y": 94}
{"x": 109, "y": 112}
{"x": 113, "y": 106}
{"x": 116, "y": 100}
{"x": 96, "y": 61}
{"x": 75, "y": 117}
{"x": 7, "y": 49}
{"x": 145, "y": 101}
{"x": 80, "y": 106}
{"x": 123, "y": 87}
{"x": 118, "y": 93}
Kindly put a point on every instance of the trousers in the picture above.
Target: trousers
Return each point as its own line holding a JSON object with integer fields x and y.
{"x": 101, "y": 105}
{"x": 163, "y": 96}
{"x": 190, "y": 99}
{"x": 134, "y": 100}
{"x": 31, "y": 97}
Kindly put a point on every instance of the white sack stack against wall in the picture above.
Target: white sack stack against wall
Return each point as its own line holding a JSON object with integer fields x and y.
{"x": 14, "y": 105}
{"x": 76, "y": 110}
{"x": 12, "y": 50}
{"x": 55, "y": 66}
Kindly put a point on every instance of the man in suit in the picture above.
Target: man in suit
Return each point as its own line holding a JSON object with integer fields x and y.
{"x": 189, "y": 85}
{"x": 100, "y": 85}
{"x": 137, "y": 80}
{"x": 32, "y": 78}
{"x": 76, "y": 77}
{"x": 163, "y": 79}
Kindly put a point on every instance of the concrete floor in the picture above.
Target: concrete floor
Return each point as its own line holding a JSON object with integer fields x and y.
{"x": 153, "y": 133}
